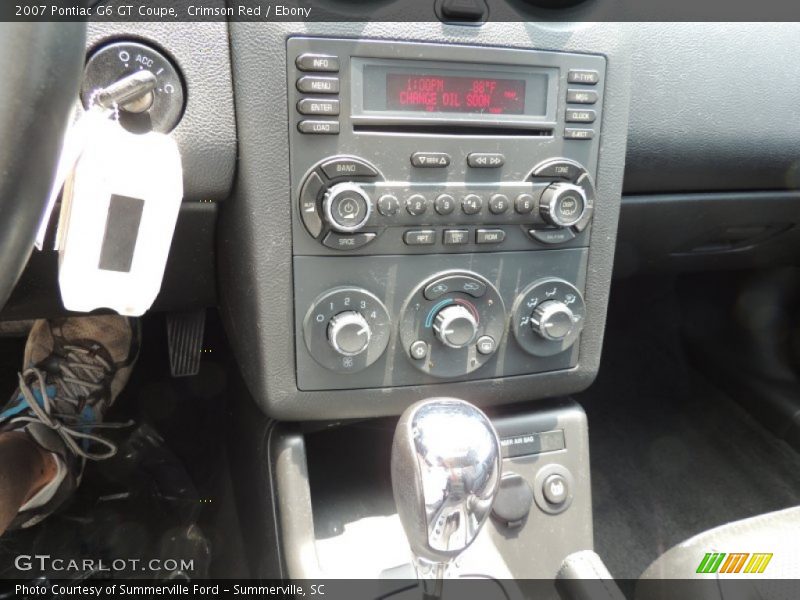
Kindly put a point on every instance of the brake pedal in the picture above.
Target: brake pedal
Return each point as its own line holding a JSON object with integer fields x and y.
{"x": 185, "y": 341}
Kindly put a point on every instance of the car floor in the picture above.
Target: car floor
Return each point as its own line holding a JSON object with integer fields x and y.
{"x": 671, "y": 455}
{"x": 167, "y": 493}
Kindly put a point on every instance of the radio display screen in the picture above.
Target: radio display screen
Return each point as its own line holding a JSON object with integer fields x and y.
{"x": 455, "y": 94}
{"x": 409, "y": 90}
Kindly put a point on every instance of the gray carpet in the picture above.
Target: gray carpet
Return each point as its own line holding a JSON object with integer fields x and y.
{"x": 671, "y": 455}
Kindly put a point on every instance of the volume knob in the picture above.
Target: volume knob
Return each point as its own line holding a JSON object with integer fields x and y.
{"x": 347, "y": 207}
{"x": 563, "y": 204}
{"x": 349, "y": 333}
{"x": 455, "y": 326}
{"x": 553, "y": 321}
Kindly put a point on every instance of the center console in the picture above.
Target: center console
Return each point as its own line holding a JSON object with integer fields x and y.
{"x": 423, "y": 211}
{"x": 442, "y": 207}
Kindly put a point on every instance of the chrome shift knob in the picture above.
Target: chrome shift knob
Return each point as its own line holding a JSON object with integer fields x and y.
{"x": 446, "y": 469}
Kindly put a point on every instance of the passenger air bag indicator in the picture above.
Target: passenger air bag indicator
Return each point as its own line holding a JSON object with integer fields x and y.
{"x": 532, "y": 443}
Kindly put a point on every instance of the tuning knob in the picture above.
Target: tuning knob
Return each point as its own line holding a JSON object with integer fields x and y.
{"x": 554, "y": 321}
{"x": 349, "y": 333}
{"x": 455, "y": 326}
{"x": 563, "y": 204}
{"x": 347, "y": 207}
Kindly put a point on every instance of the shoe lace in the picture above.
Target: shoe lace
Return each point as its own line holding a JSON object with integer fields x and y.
{"x": 80, "y": 382}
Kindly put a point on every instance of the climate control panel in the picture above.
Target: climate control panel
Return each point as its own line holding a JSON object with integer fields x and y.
{"x": 431, "y": 319}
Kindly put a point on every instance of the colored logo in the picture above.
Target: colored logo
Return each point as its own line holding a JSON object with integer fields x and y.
{"x": 736, "y": 562}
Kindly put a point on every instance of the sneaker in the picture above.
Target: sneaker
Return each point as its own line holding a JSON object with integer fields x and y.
{"x": 74, "y": 369}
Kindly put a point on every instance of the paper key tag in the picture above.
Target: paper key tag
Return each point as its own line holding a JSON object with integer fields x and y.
{"x": 118, "y": 216}
{"x": 75, "y": 140}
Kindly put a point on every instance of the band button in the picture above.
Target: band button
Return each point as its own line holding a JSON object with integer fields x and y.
{"x": 347, "y": 167}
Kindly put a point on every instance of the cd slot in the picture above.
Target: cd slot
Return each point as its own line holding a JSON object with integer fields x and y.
{"x": 464, "y": 130}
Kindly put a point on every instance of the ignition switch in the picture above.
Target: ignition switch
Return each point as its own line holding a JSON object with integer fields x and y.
{"x": 158, "y": 110}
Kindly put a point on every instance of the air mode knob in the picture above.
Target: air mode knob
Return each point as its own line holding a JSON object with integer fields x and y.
{"x": 553, "y": 320}
{"x": 455, "y": 326}
{"x": 347, "y": 207}
{"x": 563, "y": 204}
{"x": 349, "y": 333}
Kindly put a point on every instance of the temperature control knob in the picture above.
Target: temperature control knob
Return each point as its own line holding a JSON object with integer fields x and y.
{"x": 347, "y": 207}
{"x": 349, "y": 333}
{"x": 455, "y": 326}
{"x": 563, "y": 204}
{"x": 553, "y": 320}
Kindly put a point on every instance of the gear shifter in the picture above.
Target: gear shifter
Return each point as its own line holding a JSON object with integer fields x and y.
{"x": 446, "y": 469}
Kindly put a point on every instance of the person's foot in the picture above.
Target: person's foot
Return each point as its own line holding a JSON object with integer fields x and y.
{"x": 74, "y": 369}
